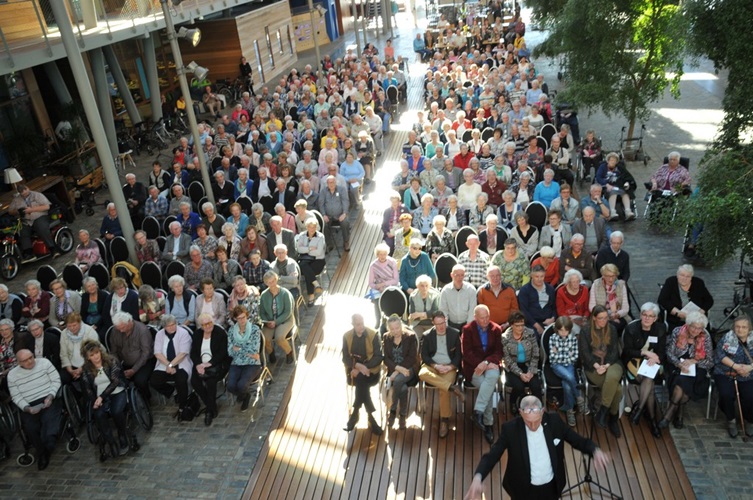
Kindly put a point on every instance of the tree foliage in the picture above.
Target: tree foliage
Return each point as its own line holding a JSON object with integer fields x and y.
{"x": 615, "y": 53}
{"x": 721, "y": 32}
{"x": 721, "y": 207}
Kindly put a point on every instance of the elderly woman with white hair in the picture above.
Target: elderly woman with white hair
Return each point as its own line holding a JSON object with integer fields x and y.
{"x": 172, "y": 350}
{"x": 87, "y": 252}
{"x": 180, "y": 302}
{"x": 312, "y": 250}
{"x": 422, "y": 304}
{"x": 37, "y": 301}
{"x": 611, "y": 293}
{"x": 572, "y": 298}
{"x": 74, "y": 334}
{"x": 440, "y": 239}
{"x": 62, "y": 302}
{"x": 454, "y": 215}
{"x": 230, "y": 241}
{"x": 423, "y": 216}
{"x": 644, "y": 341}
{"x": 679, "y": 291}
{"x": 209, "y": 355}
{"x": 10, "y": 304}
{"x": 690, "y": 357}
{"x": 523, "y": 189}
{"x": 479, "y": 213}
{"x": 210, "y": 301}
{"x": 212, "y": 220}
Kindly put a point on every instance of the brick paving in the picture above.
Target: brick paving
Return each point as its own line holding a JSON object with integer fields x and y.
{"x": 189, "y": 460}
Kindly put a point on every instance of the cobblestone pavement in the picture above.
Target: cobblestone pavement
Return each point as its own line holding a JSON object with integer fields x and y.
{"x": 188, "y": 460}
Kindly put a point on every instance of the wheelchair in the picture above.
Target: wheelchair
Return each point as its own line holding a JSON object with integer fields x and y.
{"x": 10, "y": 424}
{"x": 138, "y": 414}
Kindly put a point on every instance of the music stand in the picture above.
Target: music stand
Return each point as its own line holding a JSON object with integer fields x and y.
{"x": 587, "y": 478}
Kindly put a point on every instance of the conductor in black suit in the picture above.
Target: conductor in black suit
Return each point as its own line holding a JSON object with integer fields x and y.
{"x": 536, "y": 454}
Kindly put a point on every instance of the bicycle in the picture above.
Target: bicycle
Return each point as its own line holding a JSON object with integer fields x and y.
{"x": 231, "y": 90}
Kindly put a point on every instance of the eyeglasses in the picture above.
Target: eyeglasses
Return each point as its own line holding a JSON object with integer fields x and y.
{"x": 531, "y": 411}
{"x": 648, "y": 315}
{"x": 441, "y": 323}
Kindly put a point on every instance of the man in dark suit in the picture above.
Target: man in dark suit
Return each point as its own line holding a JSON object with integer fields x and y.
{"x": 482, "y": 355}
{"x": 224, "y": 192}
{"x": 284, "y": 195}
{"x": 538, "y": 316}
{"x": 40, "y": 342}
{"x": 497, "y": 234}
{"x": 279, "y": 234}
{"x": 135, "y": 195}
{"x": 263, "y": 189}
{"x": 536, "y": 454}
{"x": 614, "y": 254}
{"x": 593, "y": 229}
{"x": 441, "y": 362}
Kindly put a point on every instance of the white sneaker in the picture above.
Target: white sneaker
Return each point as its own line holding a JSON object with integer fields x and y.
{"x": 629, "y": 215}
{"x": 613, "y": 215}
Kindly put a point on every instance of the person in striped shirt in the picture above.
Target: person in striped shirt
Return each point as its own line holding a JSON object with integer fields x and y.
{"x": 33, "y": 385}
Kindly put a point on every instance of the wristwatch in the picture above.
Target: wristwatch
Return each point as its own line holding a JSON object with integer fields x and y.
{"x": 170, "y": 365}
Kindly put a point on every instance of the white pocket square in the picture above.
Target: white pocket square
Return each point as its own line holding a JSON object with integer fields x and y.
{"x": 557, "y": 441}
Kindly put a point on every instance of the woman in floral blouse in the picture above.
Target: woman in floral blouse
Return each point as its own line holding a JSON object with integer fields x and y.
{"x": 689, "y": 351}
{"x": 516, "y": 271}
{"x": 734, "y": 360}
{"x": 521, "y": 359}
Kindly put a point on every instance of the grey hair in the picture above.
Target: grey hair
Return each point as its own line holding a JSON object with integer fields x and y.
{"x": 424, "y": 278}
{"x": 34, "y": 283}
{"x": 650, "y": 306}
{"x": 696, "y": 318}
{"x": 168, "y": 319}
{"x": 184, "y": 204}
{"x": 3, "y": 287}
{"x": 194, "y": 248}
{"x": 257, "y": 206}
{"x": 546, "y": 251}
{"x": 382, "y": 247}
{"x": 269, "y": 275}
{"x": 175, "y": 279}
{"x": 206, "y": 205}
{"x": 570, "y": 273}
{"x": 228, "y": 225}
{"x": 508, "y": 194}
{"x": 35, "y": 322}
{"x": 83, "y": 231}
{"x": 243, "y": 170}
{"x": 439, "y": 219}
{"x": 8, "y": 322}
{"x": 121, "y": 318}
{"x": 492, "y": 217}
{"x": 88, "y": 280}
{"x": 483, "y": 195}
{"x": 577, "y": 237}
{"x": 530, "y": 402}
{"x": 617, "y": 234}
{"x": 684, "y": 267}
{"x": 175, "y": 222}
{"x": 110, "y": 205}
{"x": 674, "y": 154}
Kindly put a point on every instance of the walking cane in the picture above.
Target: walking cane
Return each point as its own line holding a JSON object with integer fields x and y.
{"x": 740, "y": 410}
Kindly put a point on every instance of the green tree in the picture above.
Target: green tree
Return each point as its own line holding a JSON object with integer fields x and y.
{"x": 721, "y": 32}
{"x": 615, "y": 53}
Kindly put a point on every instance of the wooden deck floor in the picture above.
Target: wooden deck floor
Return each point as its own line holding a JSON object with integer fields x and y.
{"x": 307, "y": 455}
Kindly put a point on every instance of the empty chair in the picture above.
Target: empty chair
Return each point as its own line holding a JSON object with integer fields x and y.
{"x": 461, "y": 236}
{"x": 151, "y": 274}
{"x": 166, "y": 223}
{"x": 73, "y": 277}
{"x": 392, "y": 95}
{"x": 100, "y": 273}
{"x": 103, "y": 251}
{"x": 393, "y": 301}
{"x": 542, "y": 143}
{"x": 175, "y": 267}
{"x": 196, "y": 191}
{"x": 443, "y": 267}
{"x": 547, "y": 132}
{"x": 246, "y": 203}
{"x": 151, "y": 227}
{"x": 467, "y": 135}
{"x": 118, "y": 249}
{"x": 161, "y": 242}
{"x": 487, "y": 134}
{"x": 45, "y": 276}
{"x": 537, "y": 214}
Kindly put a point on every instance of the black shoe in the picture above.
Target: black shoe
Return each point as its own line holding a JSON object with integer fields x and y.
{"x": 352, "y": 421}
{"x": 635, "y": 414}
{"x": 489, "y": 434}
{"x": 679, "y": 422}
{"x": 478, "y": 419}
{"x": 272, "y": 357}
{"x": 401, "y": 422}
{"x": 44, "y": 461}
{"x": 208, "y": 418}
{"x": 601, "y": 417}
{"x": 246, "y": 400}
{"x": 663, "y": 423}
{"x": 614, "y": 425}
{"x": 289, "y": 358}
{"x": 655, "y": 431}
{"x": 374, "y": 426}
{"x": 391, "y": 419}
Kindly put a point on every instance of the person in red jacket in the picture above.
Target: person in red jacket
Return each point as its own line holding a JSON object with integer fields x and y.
{"x": 463, "y": 159}
{"x": 481, "y": 344}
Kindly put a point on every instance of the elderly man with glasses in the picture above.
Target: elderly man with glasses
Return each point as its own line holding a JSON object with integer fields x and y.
{"x": 535, "y": 468}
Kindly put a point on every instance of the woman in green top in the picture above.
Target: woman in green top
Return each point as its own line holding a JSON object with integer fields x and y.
{"x": 276, "y": 312}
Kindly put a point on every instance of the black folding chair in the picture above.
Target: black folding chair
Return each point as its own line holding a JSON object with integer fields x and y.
{"x": 393, "y": 95}
{"x": 550, "y": 380}
{"x": 246, "y": 203}
{"x": 196, "y": 191}
{"x": 151, "y": 227}
{"x": 151, "y": 274}
{"x": 537, "y": 214}
{"x": 45, "y": 276}
{"x": 166, "y": 224}
{"x": 467, "y": 136}
{"x": 102, "y": 250}
{"x": 119, "y": 249}
{"x": 161, "y": 242}
{"x": 487, "y": 134}
{"x": 461, "y": 236}
{"x": 393, "y": 301}
{"x": 100, "y": 273}
{"x": 443, "y": 268}
{"x": 547, "y": 132}
{"x": 175, "y": 267}
{"x": 542, "y": 143}
{"x": 73, "y": 277}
